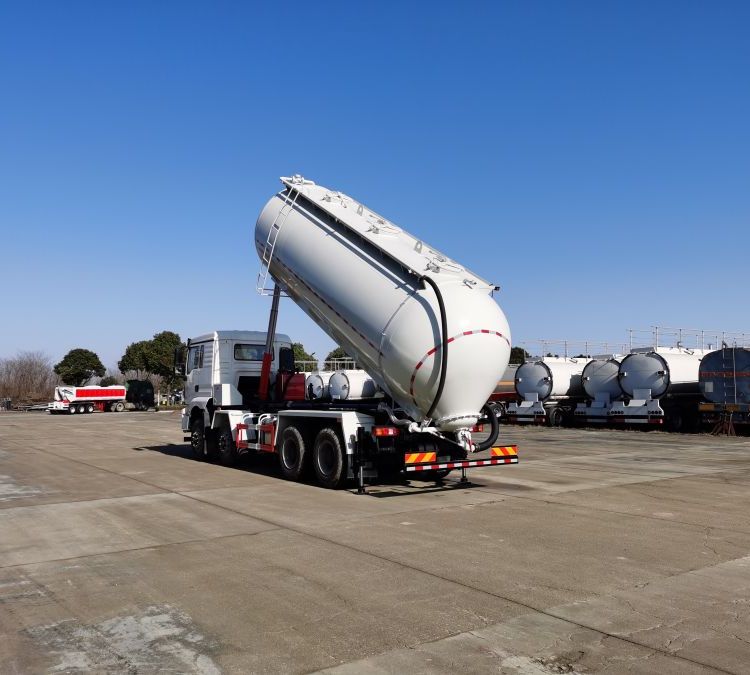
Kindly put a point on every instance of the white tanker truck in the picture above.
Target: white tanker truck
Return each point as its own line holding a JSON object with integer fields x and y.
{"x": 660, "y": 387}
{"x": 548, "y": 388}
{"x": 602, "y": 388}
{"x": 425, "y": 329}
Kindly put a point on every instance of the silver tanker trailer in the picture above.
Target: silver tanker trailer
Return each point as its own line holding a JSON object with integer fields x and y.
{"x": 427, "y": 332}
{"x": 724, "y": 380}
{"x": 660, "y": 388}
{"x": 548, "y": 389}
{"x": 601, "y": 387}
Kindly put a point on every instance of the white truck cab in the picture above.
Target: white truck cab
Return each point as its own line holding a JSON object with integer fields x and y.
{"x": 222, "y": 371}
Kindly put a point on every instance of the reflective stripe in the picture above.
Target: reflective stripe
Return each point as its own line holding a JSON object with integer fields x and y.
{"x": 464, "y": 464}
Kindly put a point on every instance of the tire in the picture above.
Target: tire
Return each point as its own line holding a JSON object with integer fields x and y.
{"x": 329, "y": 459}
{"x": 292, "y": 453}
{"x": 90, "y": 408}
{"x": 81, "y": 409}
{"x": 226, "y": 449}
{"x": 198, "y": 439}
{"x": 71, "y": 409}
{"x": 555, "y": 417}
{"x": 118, "y": 407}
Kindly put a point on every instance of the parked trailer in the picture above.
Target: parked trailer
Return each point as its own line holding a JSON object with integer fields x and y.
{"x": 80, "y": 400}
{"x": 505, "y": 392}
{"x": 724, "y": 380}
{"x": 660, "y": 388}
{"x": 424, "y": 328}
{"x": 549, "y": 388}
{"x": 602, "y": 387}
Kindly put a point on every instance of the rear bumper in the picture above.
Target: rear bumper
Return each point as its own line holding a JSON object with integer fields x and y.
{"x": 500, "y": 455}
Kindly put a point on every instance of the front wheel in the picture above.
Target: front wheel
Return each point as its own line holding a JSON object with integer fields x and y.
{"x": 329, "y": 459}
{"x": 198, "y": 439}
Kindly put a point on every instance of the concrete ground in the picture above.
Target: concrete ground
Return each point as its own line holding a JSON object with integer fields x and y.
{"x": 602, "y": 551}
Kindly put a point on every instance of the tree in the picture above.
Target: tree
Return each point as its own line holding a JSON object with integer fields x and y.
{"x": 159, "y": 356}
{"x": 79, "y": 366}
{"x": 518, "y": 355}
{"x": 28, "y": 376}
{"x": 153, "y": 359}
{"x": 334, "y": 358}
{"x": 301, "y": 355}
{"x": 134, "y": 358}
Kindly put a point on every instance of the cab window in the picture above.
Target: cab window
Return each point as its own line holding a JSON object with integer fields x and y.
{"x": 249, "y": 352}
{"x": 195, "y": 357}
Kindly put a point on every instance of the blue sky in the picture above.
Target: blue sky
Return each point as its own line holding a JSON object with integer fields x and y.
{"x": 593, "y": 159}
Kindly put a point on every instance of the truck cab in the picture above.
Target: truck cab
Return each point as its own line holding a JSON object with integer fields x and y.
{"x": 222, "y": 370}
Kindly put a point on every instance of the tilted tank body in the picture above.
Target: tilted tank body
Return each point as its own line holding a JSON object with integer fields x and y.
{"x": 673, "y": 369}
{"x": 550, "y": 378}
{"x": 390, "y": 300}
{"x": 724, "y": 376}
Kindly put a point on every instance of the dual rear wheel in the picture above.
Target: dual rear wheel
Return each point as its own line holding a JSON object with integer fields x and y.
{"x": 327, "y": 456}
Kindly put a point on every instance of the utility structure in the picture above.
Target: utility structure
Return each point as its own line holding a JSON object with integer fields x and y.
{"x": 427, "y": 332}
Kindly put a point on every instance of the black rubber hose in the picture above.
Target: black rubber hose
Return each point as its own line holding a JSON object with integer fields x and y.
{"x": 444, "y": 346}
{"x": 494, "y": 429}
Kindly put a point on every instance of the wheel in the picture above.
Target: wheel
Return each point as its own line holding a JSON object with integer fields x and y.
{"x": 198, "y": 439}
{"x": 81, "y": 409}
{"x": 226, "y": 449}
{"x": 90, "y": 408}
{"x": 71, "y": 409}
{"x": 555, "y": 417}
{"x": 118, "y": 407}
{"x": 292, "y": 453}
{"x": 329, "y": 459}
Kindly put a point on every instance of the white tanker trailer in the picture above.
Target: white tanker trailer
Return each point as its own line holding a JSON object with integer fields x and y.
{"x": 548, "y": 387}
{"x": 425, "y": 329}
{"x": 660, "y": 387}
{"x": 601, "y": 386}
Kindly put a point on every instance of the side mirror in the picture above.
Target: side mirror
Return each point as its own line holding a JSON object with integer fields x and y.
{"x": 286, "y": 360}
{"x": 180, "y": 359}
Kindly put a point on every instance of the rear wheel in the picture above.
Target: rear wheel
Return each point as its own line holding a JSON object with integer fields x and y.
{"x": 90, "y": 408}
{"x": 81, "y": 409}
{"x": 119, "y": 406}
{"x": 292, "y": 453}
{"x": 71, "y": 409}
{"x": 225, "y": 447}
{"x": 329, "y": 459}
{"x": 555, "y": 417}
{"x": 198, "y": 439}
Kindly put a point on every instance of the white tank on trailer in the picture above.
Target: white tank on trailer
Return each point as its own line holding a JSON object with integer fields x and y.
{"x": 316, "y": 385}
{"x": 377, "y": 291}
{"x": 600, "y": 376}
{"x": 351, "y": 385}
{"x": 550, "y": 377}
{"x": 660, "y": 370}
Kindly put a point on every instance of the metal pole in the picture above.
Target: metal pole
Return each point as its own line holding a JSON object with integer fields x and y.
{"x": 265, "y": 372}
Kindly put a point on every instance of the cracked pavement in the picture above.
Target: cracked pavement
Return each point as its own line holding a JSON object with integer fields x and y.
{"x": 603, "y": 551}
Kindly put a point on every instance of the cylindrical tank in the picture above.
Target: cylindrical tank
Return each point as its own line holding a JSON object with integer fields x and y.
{"x": 724, "y": 375}
{"x": 665, "y": 369}
{"x": 551, "y": 377}
{"x": 362, "y": 280}
{"x": 351, "y": 385}
{"x": 600, "y": 376}
{"x": 316, "y": 385}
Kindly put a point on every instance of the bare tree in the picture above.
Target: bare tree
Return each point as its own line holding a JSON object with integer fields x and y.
{"x": 27, "y": 377}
